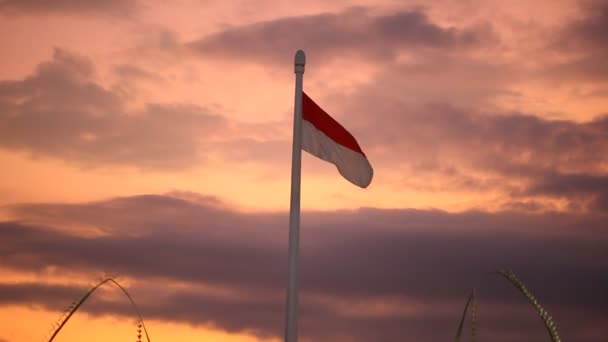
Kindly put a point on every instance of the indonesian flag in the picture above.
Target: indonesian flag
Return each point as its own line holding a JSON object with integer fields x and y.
{"x": 325, "y": 138}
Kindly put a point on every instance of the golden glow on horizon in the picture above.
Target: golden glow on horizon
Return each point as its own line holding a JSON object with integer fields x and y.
{"x": 33, "y": 324}
{"x": 325, "y": 191}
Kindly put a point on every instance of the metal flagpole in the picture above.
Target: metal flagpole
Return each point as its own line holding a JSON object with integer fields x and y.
{"x": 291, "y": 326}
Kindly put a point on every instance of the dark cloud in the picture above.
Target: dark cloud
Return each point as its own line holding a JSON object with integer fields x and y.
{"x": 36, "y": 294}
{"x": 588, "y": 31}
{"x": 89, "y": 7}
{"x": 411, "y": 269}
{"x": 60, "y": 111}
{"x": 584, "y": 37}
{"x": 130, "y": 71}
{"x": 592, "y": 67}
{"x": 437, "y": 127}
{"x": 590, "y": 190}
{"x": 353, "y": 32}
{"x": 443, "y": 147}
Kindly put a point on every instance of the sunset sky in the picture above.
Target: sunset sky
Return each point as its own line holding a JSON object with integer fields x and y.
{"x": 151, "y": 140}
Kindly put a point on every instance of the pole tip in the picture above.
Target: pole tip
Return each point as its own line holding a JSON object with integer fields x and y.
{"x": 300, "y": 58}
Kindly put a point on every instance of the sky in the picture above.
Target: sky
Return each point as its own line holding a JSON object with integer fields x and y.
{"x": 151, "y": 141}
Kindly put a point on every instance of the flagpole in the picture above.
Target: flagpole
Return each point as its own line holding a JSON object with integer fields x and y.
{"x": 291, "y": 325}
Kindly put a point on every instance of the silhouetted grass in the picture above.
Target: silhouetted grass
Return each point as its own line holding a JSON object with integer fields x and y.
{"x": 471, "y": 301}
{"x": 549, "y": 324}
{"x": 74, "y": 307}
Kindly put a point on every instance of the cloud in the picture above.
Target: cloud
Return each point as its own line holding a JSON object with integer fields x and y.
{"x": 88, "y": 7}
{"x": 466, "y": 147}
{"x": 60, "y": 111}
{"x": 590, "y": 190}
{"x": 36, "y": 294}
{"x": 583, "y": 40}
{"x": 367, "y": 273}
{"x": 351, "y": 33}
{"x": 130, "y": 71}
{"x": 588, "y": 31}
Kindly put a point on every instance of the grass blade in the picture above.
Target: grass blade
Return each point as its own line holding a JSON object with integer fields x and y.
{"x": 549, "y": 324}
{"x": 464, "y": 315}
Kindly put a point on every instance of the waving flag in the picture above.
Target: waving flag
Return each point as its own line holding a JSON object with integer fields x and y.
{"x": 325, "y": 138}
{"x": 317, "y": 133}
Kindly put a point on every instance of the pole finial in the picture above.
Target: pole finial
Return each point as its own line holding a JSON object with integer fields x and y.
{"x": 300, "y": 61}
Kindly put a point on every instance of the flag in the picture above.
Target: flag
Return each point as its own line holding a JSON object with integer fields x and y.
{"x": 325, "y": 138}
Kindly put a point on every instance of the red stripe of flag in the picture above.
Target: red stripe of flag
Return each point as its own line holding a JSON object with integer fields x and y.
{"x": 312, "y": 113}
